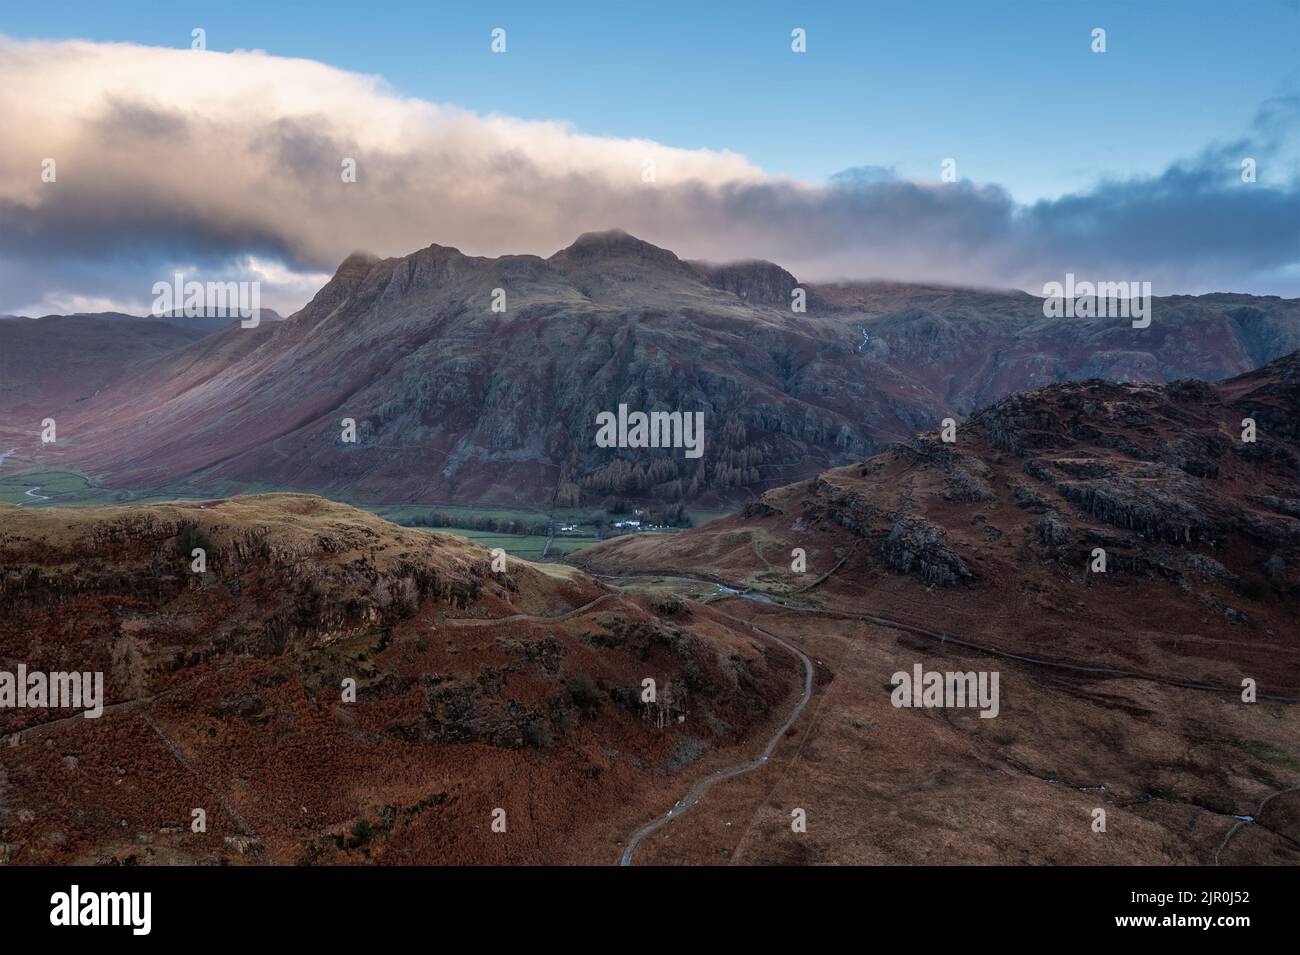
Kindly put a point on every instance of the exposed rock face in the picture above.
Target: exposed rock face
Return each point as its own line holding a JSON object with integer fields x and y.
{"x": 1156, "y": 512}
{"x": 1134, "y": 566}
{"x": 1052, "y": 530}
{"x": 917, "y": 546}
{"x": 457, "y": 400}
{"x": 755, "y": 281}
{"x": 1137, "y": 505}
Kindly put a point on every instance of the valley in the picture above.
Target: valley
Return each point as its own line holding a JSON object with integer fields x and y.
{"x": 1113, "y": 560}
{"x": 774, "y": 632}
{"x": 1124, "y": 692}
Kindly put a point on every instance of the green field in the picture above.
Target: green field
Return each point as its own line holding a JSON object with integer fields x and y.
{"x": 71, "y": 489}
{"x": 581, "y": 516}
{"x": 63, "y": 488}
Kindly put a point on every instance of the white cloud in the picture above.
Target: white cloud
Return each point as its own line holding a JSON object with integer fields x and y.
{"x": 223, "y": 159}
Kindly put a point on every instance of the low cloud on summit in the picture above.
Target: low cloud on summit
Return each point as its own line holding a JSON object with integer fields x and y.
{"x": 227, "y": 165}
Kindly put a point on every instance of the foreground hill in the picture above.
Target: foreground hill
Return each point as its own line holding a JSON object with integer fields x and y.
{"x": 996, "y": 533}
{"x": 1121, "y": 691}
{"x": 456, "y": 401}
{"x": 224, "y": 691}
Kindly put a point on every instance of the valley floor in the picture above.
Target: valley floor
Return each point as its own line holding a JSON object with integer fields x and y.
{"x": 1181, "y": 774}
{"x": 27, "y": 487}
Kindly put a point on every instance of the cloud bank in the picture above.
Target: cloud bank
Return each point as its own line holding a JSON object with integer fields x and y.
{"x": 230, "y": 165}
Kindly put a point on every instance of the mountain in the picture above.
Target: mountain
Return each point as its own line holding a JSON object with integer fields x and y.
{"x": 1121, "y": 690}
{"x": 1161, "y": 691}
{"x": 207, "y": 321}
{"x": 226, "y": 691}
{"x": 454, "y": 401}
{"x": 53, "y": 362}
{"x": 998, "y": 530}
{"x": 971, "y": 347}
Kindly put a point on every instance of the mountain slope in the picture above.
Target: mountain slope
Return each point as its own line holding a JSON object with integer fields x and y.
{"x": 995, "y": 537}
{"x": 456, "y": 401}
{"x": 453, "y": 400}
{"x": 227, "y": 691}
{"x": 1124, "y": 696}
{"x": 51, "y": 363}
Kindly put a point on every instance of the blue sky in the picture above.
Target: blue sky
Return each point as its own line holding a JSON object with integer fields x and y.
{"x": 1122, "y": 165}
{"x": 1009, "y": 89}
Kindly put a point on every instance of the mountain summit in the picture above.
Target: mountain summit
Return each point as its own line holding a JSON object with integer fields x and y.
{"x": 610, "y": 245}
{"x": 480, "y": 379}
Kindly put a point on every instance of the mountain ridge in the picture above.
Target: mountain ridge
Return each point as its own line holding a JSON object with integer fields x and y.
{"x": 454, "y": 400}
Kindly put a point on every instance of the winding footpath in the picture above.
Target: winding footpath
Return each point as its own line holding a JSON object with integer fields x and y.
{"x": 703, "y": 785}
{"x": 31, "y": 492}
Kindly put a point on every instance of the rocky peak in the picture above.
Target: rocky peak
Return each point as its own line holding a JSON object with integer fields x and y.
{"x": 348, "y": 277}
{"x": 755, "y": 280}
{"x": 614, "y": 245}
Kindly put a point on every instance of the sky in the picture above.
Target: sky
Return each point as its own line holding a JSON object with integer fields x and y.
{"x": 1123, "y": 164}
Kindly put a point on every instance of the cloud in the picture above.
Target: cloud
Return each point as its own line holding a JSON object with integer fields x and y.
{"x": 229, "y": 164}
